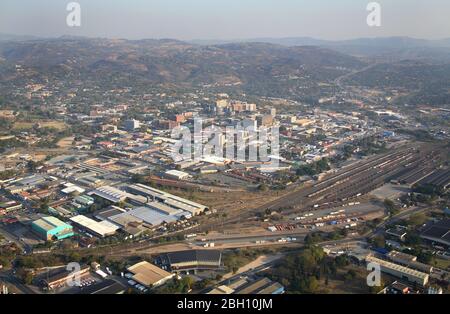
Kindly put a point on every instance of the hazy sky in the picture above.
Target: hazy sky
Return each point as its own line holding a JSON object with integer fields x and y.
{"x": 227, "y": 19}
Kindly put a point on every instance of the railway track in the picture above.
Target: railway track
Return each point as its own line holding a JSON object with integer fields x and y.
{"x": 347, "y": 184}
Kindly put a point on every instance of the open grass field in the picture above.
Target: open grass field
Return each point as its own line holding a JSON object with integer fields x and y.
{"x": 22, "y": 125}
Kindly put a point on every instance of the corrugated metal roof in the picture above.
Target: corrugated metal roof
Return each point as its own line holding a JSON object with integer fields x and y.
{"x": 151, "y": 216}
{"x": 49, "y": 223}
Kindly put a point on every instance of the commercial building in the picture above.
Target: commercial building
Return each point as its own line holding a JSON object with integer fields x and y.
{"x": 398, "y": 232}
{"x": 110, "y": 194}
{"x": 400, "y": 271}
{"x": 108, "y": 286}
{"x": 190, "y": 260}
{"x": 131, "y": 125}
{"x": 101, "y": 229}
{"x": 409, "y": 261}
{"x": 119, "y": 217}
{"x": 150, "y": 216}
{"x": 51, "y": 229}
{"x": 7, "y": 206}
{"x": 221, "y": 290}
{"x": 25, "y": 184}
{"x": 84, "y": 200}
{"x": 61, "y": 277}
{"x": 165, "y": 209}
{"x": 178, "y": 175}
{"x": 261, "y": 286}
{"x": 398, "y": 288}
{"x": 168, "y": 199}
{"x": 149, "y": 275}
{"x": 109, "y": 212}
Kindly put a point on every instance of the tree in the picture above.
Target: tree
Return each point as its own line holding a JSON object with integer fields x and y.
{"x": 412, "y": 239}
{"x": 390, "y": 206}
{"x": 313, "y": 284}
{"x": 417, "y": 219}
{"x": 379, "y": 241}
{"x": 350, "y": 275}
{"x": 187, "y": 283}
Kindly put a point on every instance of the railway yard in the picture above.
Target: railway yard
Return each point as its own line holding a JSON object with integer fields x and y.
{"x": 351, "y": 186}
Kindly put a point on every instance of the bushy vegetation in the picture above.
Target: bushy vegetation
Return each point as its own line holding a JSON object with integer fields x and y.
{"x": 314, "y": 169}
{"x": 302, "y": 272}
{"x": 176, "y": 286}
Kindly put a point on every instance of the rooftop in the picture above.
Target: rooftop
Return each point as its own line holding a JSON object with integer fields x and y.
{"x": 103, "y": 228}
{"x": 148, "y": 274}
{"x": 439, "y": 231}
{"x": 49, "y": 223}
{"x": 195, "y": 256}
{"x": 397, "y": 267}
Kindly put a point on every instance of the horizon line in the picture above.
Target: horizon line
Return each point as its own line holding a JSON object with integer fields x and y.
{"x": 223, "y": 39}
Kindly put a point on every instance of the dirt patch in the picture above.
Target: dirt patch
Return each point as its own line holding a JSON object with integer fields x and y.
{"x": 66, "y": 142}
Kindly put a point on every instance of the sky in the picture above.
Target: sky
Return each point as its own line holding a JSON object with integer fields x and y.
{"x": 227, "y": 19}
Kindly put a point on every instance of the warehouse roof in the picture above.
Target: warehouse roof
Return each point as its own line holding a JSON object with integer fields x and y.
{"x": 172, "y": 200}
{"x": 261, "y": 286}
{"x": 151, "y": 216}
{"x": 124, "y": 219}
{"x": 110, "y": 211}
{"x": 195, "y": 256}
{"x": 108, "y": 286}
{"x": 103, "y": 228}
{"x": 439, "y": 231}
{"x": 177, "y": 173}
{"x": 161, "y": 207}
{"x": 397, "y": 267}
{"x": 49, "y": 223}
{"x": 148, "y": 274}
{"x": 110, "y": 193}
{"x": 403, "y": 256}
{"x": 221, "y": 290}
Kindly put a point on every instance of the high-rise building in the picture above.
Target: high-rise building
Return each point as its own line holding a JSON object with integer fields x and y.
{"x": 131, "y": 125}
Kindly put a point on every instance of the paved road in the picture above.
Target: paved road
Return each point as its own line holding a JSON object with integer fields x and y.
{"x": 8, "y": 277}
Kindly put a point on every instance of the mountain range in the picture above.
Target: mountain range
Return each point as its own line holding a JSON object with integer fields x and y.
{"x": 292, "y": 67}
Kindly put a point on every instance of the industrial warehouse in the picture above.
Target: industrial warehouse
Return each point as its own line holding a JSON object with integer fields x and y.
{"x": 51, "y": 228}
{"x": 438, "y": 232}
{"x": 192, "y": 260}
{"x": 246, "y": 285}
{"x": 400, "y": 271}
{"x": 168, "y": 199}
{"x": 60, "y": 277}
{"x": 148, "y": 274}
